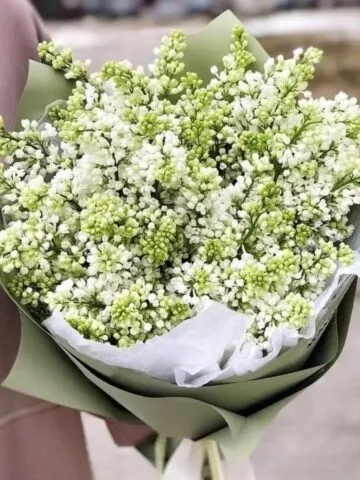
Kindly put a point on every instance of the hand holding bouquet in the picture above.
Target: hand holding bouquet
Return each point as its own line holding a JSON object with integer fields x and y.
{"x": 184, "y": 237}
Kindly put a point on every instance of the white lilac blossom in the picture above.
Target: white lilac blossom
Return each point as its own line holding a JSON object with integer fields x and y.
{"x": 144, "y": 196}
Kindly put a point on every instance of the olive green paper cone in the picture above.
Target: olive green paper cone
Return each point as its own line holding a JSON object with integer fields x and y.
{"x": 42, "y": 370}
{"x": 243, "y": 442}
{"x": 44, "y": 86}
{"x": 208, "y": 47}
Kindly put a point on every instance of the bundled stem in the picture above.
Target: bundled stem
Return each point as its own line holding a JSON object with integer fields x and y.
{"x": 214, "y": 459}
{"x": 160, "y": 454}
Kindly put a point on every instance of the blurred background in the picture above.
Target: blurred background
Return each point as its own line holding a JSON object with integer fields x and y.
{"x": 333, "y": 25}
{"x": 317, "y": 436}
{"x": 164, "y": 9}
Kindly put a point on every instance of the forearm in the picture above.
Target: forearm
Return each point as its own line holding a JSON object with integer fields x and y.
{"x": 20, "y": 32}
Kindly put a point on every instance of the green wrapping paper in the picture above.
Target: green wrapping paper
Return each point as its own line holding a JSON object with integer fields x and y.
{"x": 236, "y": 412}
{"x": 42, "y": 370}
{"x": 43, "y": 87}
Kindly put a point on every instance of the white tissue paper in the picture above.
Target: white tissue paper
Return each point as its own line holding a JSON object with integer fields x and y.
{"x": 207, "y": 348}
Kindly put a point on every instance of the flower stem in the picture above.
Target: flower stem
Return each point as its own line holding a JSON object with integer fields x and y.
{"x": 160, "y": 453}
{"x": 214, "y": 458}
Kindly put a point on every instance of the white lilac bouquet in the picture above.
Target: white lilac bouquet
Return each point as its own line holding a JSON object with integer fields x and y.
{"x": 168, "y": 229}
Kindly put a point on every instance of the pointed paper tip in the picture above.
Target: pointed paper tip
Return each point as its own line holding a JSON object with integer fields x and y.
{"x": 212, "y": 43}
{"x": 225, "y": 19}
{"x": 226, "y": 14}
